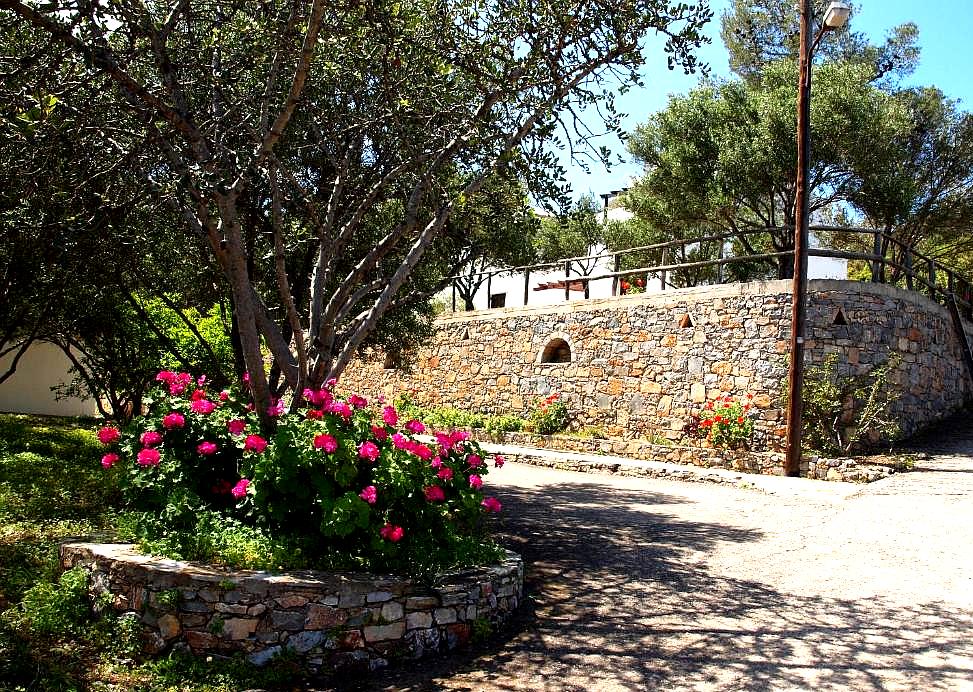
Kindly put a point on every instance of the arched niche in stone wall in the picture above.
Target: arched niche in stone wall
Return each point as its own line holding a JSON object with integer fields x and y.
{"x": 557, "y": 350}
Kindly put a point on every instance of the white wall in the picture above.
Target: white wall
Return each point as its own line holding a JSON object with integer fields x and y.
{"x": 28, "y": 390}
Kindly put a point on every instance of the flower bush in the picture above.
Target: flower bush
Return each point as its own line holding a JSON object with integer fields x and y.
{"x": 631, "y": 287}
{"x": 339, "y": 482}
{"x": 726, "y": 422}
{"x": 549, "y": 416}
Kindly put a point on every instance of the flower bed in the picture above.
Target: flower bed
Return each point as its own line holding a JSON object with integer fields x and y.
{"x": 326, "y": 621}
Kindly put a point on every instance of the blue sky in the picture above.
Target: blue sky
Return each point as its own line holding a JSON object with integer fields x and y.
{"x": 945, "y": 36}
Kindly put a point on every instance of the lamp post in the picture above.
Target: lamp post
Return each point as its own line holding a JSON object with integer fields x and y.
{"x": 835, "y": 17}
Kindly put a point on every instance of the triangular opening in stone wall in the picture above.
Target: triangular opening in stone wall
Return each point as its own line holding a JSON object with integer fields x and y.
{"x": 465, "y": 336}
{"x": 840, "y": 318}
{"x": 685, "y": 321}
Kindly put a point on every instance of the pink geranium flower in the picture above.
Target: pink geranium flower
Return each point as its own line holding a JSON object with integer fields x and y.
{"x": 436, "y": 462}
{"x": 340, "y": 408}
{"x": 390, "y": 416}
{"x": 240, "y": 489}
{"x": 399, "y": 441}
{"x": 379, "y": 433}
{"x": 391, "y": 533}
{"x": 203, "y": 406}
{"x": 173, "y": 420}
{"x": 326, "y": 442}
{"x": 434, "y": 493}
{"x": 358, "y": 401}
{"x": 110, "y": 460}
{"x": 491, "y": 504}
{"x": 445, "y": 473}
{"x": 236, "y": 426}
{"x": 420, "y": 450}
{"x": 166, "y": 376}
{"x": 198, "y": 394}
{"x": 474, "y": 460}
{"x": 498, "y": 461}
{"x": 224, "y": 395}
{"x": 415, "y": 427}
{"x": 206, "y": 448}
{"x": 368, "y": 450}
{"x": 148, "y": 457}
{"x": 150, "y": 438}
{"x": 475, "y": 481}
{"x": 275, "y": 409}
{"x": 108, "y": 434}
{"x": 255, "y": 443}
{"x": 369, "y": 494}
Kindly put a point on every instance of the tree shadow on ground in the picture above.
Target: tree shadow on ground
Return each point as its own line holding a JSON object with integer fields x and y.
{"x": 620, "y": 599}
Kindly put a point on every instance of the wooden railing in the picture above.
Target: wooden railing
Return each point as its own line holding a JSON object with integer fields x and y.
{"x": 889, "y": 261}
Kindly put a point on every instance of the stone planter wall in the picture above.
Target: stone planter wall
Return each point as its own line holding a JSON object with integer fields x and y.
{"x": 328, "y": 620}
{"x": 641, "y": 365}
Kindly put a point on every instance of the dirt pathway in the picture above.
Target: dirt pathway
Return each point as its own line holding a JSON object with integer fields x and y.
{"x": 640, "y": 584}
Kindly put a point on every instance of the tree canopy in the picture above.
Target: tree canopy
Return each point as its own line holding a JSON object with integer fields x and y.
{"x": 312, "y": 148}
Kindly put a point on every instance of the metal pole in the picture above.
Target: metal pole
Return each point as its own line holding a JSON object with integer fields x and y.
{"x": 795, "y": 380}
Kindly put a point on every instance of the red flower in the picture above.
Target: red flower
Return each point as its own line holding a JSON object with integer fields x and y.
{"x": 434, "y": 493}
{"x": 108, "y": 435}
{"x": 255, "y": 443}
{"x": 391, "y": 533}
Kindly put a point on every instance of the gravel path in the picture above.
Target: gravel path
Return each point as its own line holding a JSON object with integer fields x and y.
{"x": 643, "y": 584}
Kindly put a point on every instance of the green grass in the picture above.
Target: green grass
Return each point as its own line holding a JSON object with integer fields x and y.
{"x": 52, "y": 487}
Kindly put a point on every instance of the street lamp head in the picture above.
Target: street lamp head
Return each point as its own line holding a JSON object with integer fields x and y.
{"x": 836, "y": 16}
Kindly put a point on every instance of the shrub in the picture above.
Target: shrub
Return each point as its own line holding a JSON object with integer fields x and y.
{"x": 726, "y": 422}
{"x": 496, "y": 425}
{"x": 338, "y": 483}
{"x": 53, "y": 609}
{"x": 845, "y": 413}
{"x": 549, "y": 416}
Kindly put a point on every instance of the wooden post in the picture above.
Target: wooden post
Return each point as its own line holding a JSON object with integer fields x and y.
{"x": 454, "y": 295}
{"x": 877, "y": 263}
{"x": 932, "y": 279}
{"x": 909, "y": 273}
{"x": 719, "y": 266}
{"x": 526, "y": 286}
{"x": 567, "y": 280}
{"x": 662, "y": 274}
{"x": 618, "y": 265}
{"x": 489, "y": 290}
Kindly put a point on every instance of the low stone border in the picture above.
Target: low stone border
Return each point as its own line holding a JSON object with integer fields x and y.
{"x": 767, "y": 463}
{"x": 327, "y": 620}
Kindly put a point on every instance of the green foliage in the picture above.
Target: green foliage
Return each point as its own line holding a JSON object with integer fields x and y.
{"x": 758, "y": 33}
{"x": 845, "y": 413}
{"x": 497, "y": 425}
{"x": 571, "y": 235}
{"x": 53, "y": 610}
{"x": 548, "y": 416}
{"x": 723, "y": 157}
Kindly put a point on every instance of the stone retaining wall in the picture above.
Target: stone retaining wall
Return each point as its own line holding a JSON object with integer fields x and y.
{"x": 328, "y": 620}
{"x": 641, "y": 365}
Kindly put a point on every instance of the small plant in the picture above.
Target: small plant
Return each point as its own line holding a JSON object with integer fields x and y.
{"x": 216, "y": 625}
{"x": 481, "y": 630}
{"x": 168, "y": 599}
{"x": 630, "y": 287}
{"x": 497, "y": 425}
{"x": 49, "y": 609}
{"x": 549, "y": 416}
{"x": 843, "y": 414}
{"x": 726, "y": 422}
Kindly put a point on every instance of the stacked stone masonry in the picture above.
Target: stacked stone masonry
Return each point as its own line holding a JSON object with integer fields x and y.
{"x": 642, "y": 365}
{"x": 329, "y": 621}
